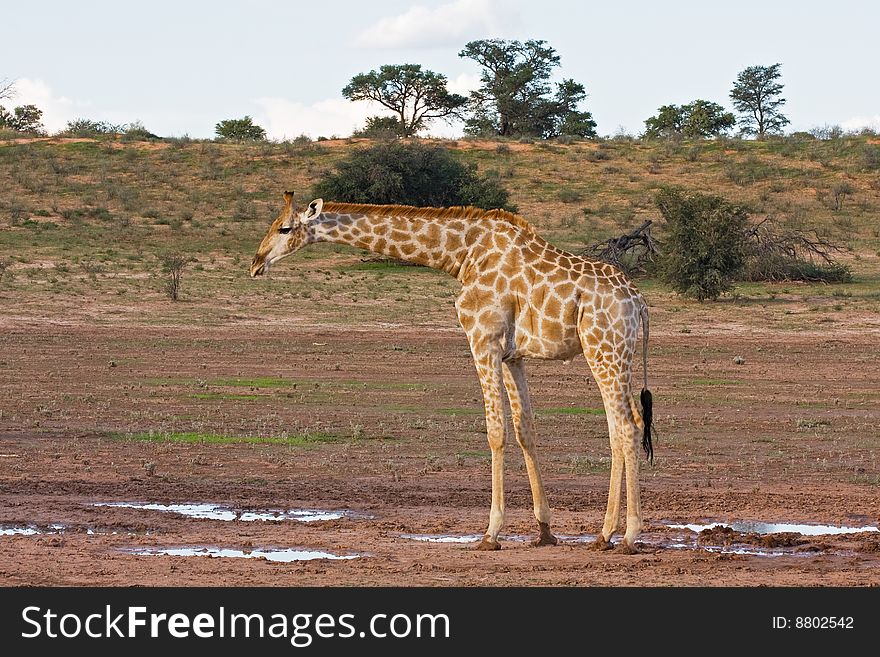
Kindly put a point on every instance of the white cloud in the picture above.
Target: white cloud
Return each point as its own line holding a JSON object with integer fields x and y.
{"x": 57, "y": 110}
{"x": 452, "y": 24}
{"x": 858, "y": 122}
{"x": 286, "y": 119}
{"x": 464, "y": 84}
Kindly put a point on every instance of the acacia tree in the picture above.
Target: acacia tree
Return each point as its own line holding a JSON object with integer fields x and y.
{"x": 26, "y": 118}
{"x": 514, "y": 98}
{"x": 696, "y": 120}
{"x": 417, "y": 96}
{"x": 568, "y": 119}
{"x": 756, "y": 95}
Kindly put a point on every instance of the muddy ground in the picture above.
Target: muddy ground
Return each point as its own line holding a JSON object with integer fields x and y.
{"x": 386, "y": 422}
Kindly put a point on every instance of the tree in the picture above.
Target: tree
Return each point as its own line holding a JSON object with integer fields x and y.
{"x": 410, "y": 174}
{"x": 569, "y": 120}
{"x": 756, "y": 95}
{"x": 696, "y": 120}
{"x": 668, "y": 122}
{"x": 240, "y": 130}
{"x": 706, "y": 119}
{"x": 704, "y": 245}
{"x": 380, "y": 127}
{"x": 514, "y": 97}
{"x": 173, "y": 264}
{"x": 26, "y": 118}
{"x": 416, "y": 96}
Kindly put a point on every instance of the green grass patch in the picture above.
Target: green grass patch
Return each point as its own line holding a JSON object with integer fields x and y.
{"x": 711, "y": 382}
{"x": 259, "y": 382}
{"x": 231, "y": 396}
{"x": 221, "y": 439}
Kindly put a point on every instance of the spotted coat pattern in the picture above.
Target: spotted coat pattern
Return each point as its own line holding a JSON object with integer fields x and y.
{"x": 520, "y": 298}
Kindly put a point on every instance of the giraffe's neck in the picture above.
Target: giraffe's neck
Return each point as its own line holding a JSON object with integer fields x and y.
{"x": 443, "y": 244}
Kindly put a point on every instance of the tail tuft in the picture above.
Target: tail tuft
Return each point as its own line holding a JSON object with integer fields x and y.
{"x": 648, "y": 417}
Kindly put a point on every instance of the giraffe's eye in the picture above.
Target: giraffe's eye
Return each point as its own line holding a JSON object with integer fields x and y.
{"x": 284, "y": 230}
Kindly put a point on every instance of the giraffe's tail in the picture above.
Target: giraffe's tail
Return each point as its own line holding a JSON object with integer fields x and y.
{"x": 645, "y": 397}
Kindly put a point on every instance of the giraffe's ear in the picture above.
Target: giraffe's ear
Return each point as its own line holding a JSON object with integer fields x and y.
{"x": 314, "y": 209}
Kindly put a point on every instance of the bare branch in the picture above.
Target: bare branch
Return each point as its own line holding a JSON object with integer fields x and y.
{"x": 7, "y": 88}
{"x": 629, "y": 252}
{"x": 779, "y": 254}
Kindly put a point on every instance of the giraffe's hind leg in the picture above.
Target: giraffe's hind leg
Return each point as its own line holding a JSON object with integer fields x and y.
{"x": 523, "y": 425}
{"x": 624, "y": 437}
{"x": 610, "y": 362}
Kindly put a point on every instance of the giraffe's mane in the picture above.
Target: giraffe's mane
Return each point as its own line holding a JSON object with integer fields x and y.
{"x": 467, "y": 212}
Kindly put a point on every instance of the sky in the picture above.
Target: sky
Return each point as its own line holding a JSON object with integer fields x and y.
{"x": 181, "y": 66}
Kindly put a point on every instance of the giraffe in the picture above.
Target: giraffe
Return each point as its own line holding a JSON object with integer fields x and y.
{"x": 520, "y": 298}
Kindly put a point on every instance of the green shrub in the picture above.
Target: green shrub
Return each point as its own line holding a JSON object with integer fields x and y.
{"x": 569, "y": 195}
{"x": 748, "y": 171}
{"x": 138, "y": 132}
{"x": 90, "y": 128}
{"x": 704, "y": 245}
{"x": 381, "y": 127}
{"x": 598, "y": 155}
{"x": 410, "y": 174}
{"x": 871, "y": 157}
{"x": 243, "y": 129}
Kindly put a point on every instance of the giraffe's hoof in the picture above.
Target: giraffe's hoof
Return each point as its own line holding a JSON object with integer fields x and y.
{"x": 545, "y": 538}
{"x": 601, "y": 543}
{"x": 488, "y": 545}
{"x": 626, "y": 548}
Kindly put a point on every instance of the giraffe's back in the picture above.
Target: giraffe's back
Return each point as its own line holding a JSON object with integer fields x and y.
{"x": 537, "y": 298}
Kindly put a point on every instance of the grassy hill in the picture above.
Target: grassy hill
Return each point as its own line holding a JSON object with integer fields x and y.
{"x": 86, "y": 218}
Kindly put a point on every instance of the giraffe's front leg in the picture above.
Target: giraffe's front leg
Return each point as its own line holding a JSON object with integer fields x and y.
{"x": 523, "y": 427}
{"x": 489, "y": 370}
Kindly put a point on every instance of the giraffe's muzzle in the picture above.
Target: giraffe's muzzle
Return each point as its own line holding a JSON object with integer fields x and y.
{"x": 258, "y": 267}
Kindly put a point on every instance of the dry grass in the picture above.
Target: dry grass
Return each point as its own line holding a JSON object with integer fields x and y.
{"x": 90, "y": 219}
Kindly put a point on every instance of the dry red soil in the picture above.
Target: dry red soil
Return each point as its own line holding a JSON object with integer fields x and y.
{"x": 787, "y": 436}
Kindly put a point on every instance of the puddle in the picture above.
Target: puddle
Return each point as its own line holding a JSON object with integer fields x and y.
{"x": 443, "y": 538}
{"x": 457, "y": 538}
{"x": 280, "y": 556}
{"x": 33, "y": 530}
{"x": 582, "y": 538}
{"x": 752, "y": 527}
{"x": 19, "y": 531}
{"x": 751, "y": 551}
{"x": 30, "y": 530}
{"x": 219, "y": 512}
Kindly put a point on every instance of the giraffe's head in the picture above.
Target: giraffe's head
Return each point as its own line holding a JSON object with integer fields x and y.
{"x": 287, "y": 234}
